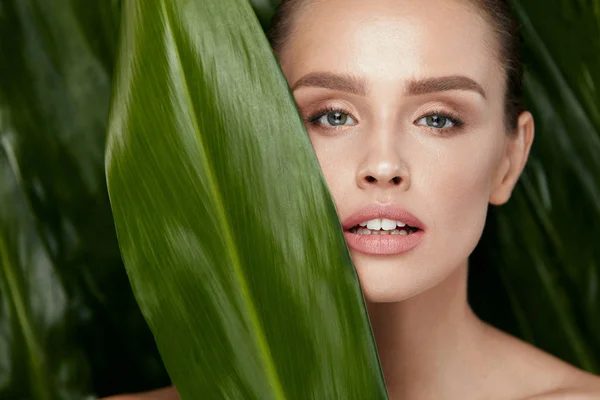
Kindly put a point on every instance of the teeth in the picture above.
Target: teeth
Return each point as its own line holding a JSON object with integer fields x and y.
{"x": 382, "y": 223}
{"x": 388, "y": 224}
{"x": 366, "y": 231}
{"x": 374, "y": 224}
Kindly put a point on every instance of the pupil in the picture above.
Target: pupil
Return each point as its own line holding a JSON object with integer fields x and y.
{"x": 436, "y": 121}
{"x": 336, "y": 118}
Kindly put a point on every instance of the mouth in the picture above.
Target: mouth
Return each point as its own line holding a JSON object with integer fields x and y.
{"x": 383, "y": 229}
{"x": 383, "y": 226}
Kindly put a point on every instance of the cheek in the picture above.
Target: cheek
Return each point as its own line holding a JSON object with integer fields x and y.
{"x": 335, "y": 158}
{"x": 459, "y": 188}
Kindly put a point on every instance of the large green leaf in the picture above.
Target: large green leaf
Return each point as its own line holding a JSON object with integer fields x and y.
{"x": 227, "y": 229}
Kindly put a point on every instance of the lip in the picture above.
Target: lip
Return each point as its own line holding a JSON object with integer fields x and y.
{"x": 383, "y": 244}
{"x": 389, "y": 211}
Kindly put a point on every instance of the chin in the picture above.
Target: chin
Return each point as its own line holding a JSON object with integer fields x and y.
{"x": 430, "y": 265}
{"x": 389, "y": 279}
{"x": 386, "y": 279}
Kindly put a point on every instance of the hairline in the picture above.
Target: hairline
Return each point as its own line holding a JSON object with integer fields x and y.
{"x": 498, "y": 50}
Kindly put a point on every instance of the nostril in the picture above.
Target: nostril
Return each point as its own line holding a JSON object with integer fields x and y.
{"x": 396, "y": 180}
{"x": 370, "y": 179}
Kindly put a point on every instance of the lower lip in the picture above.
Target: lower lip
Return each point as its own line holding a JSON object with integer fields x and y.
{"x": 383, "y": 244}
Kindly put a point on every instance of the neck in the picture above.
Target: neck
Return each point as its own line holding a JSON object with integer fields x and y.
{"x": 427, "y": 343}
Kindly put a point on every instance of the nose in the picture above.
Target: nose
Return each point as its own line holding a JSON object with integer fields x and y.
{"x": 383, "y": 167}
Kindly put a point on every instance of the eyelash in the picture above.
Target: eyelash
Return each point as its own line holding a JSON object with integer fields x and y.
{"x": 455, "y": 119}
{"x": 324, "y": 111}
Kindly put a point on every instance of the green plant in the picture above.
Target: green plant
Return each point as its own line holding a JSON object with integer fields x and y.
{"x": 69, "y": 325}
{"x": 216, "y": 194}
{"x": 540, "y": 259}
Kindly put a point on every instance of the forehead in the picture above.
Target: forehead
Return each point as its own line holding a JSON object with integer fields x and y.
{"x": 390, "y": 41}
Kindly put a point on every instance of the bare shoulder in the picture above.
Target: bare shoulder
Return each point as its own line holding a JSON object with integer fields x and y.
{"x": 537, "y": 375}
{"x": 169, "y": 393}
{"x": 566, "y": 382}
{"x": 587, "y": 389}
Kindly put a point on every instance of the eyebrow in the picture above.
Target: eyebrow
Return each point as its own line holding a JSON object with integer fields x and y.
{"x": 328, "y": 80}
{"x": 355, "y": 85}
{"x": 431, "y": 85}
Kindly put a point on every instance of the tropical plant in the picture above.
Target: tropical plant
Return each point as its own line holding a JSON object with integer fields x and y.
{"x": 69, "y": 325}
{"x": 543, "y": 244}
{"x": 215, "y": 208}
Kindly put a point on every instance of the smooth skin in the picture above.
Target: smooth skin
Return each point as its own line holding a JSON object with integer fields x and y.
{"x": 379, "y": 64}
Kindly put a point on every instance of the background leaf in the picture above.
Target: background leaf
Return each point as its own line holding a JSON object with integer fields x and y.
{"x": 37, "y": 357}
{"x": 544, "y": 244}
{"x": 57, "y": 225}
{"x": 228, "y": 231}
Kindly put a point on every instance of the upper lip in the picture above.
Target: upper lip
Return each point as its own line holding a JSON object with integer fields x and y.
{"x": 389, "y": 211}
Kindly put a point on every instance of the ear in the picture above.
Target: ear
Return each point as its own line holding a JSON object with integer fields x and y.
{"x": 514, "y": 159}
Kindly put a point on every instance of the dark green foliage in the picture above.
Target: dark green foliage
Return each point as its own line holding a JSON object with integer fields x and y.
{"x": 60, "y": 261}
{"x": 540, "y": 254}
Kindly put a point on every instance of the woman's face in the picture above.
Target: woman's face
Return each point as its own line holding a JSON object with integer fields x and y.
{"x": 417, "y": 126}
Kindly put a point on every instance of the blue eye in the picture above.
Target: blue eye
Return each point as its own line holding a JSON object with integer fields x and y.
{"x": 332, "y": 118}
{"x": 439, "y": 121}
{"x": 436, "y": 121}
